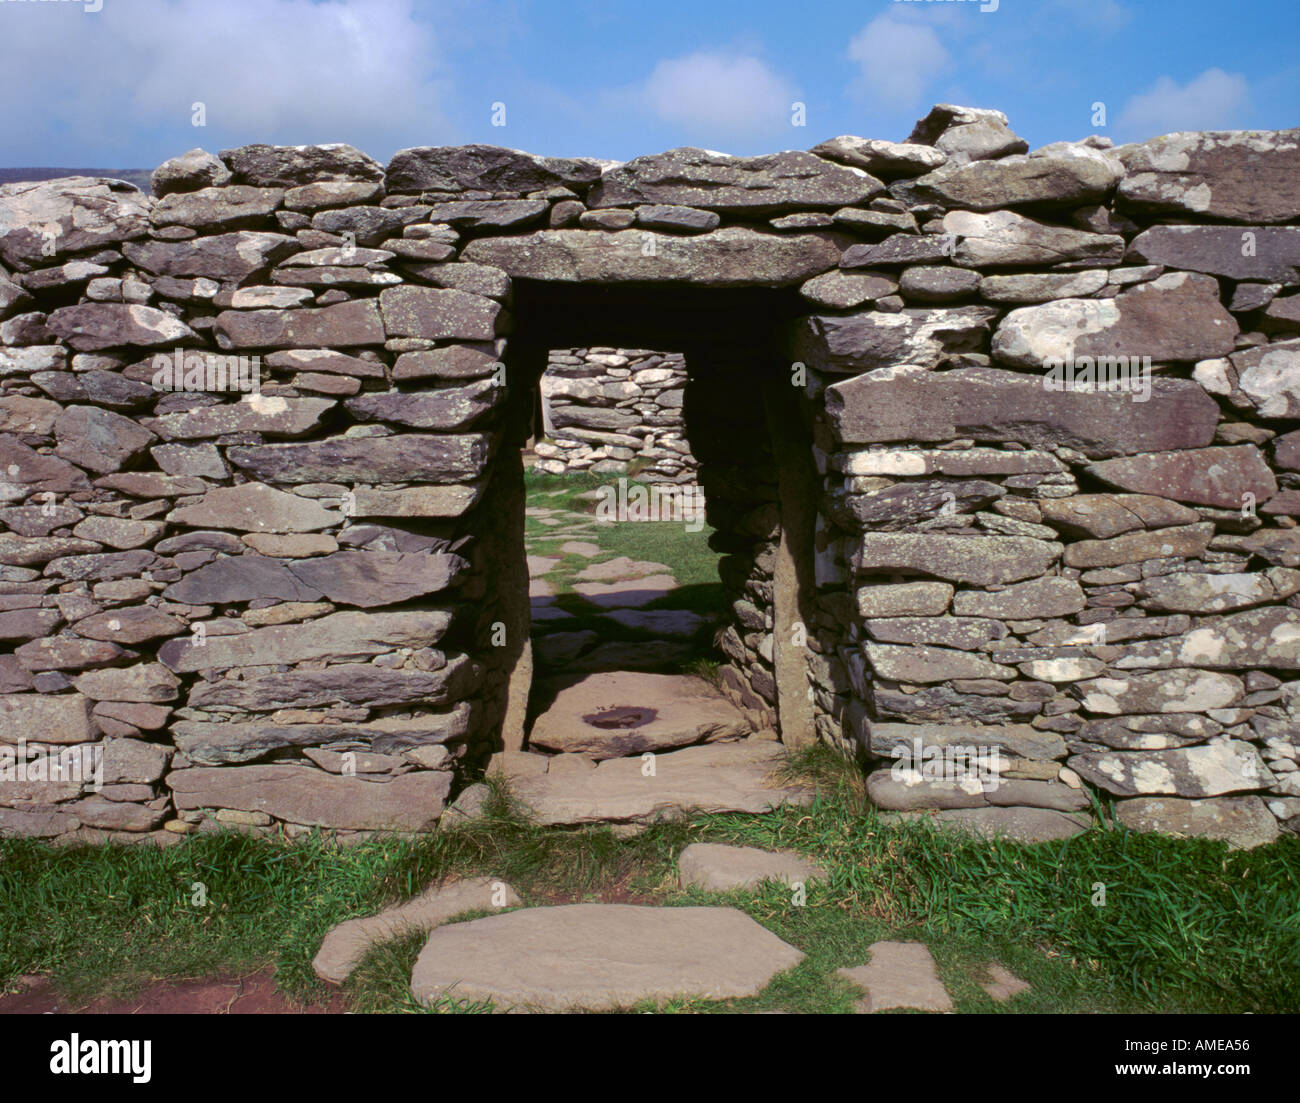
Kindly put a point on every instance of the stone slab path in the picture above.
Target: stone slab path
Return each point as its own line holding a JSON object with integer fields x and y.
{"x": 599, "y": 957}
{"x": 720, "y": 777}
{"x": 1023, "y": 825}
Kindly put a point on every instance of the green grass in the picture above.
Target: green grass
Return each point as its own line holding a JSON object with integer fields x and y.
{"x": 1188, "y": 926}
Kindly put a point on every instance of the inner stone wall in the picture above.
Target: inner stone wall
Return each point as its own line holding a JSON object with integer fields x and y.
{"x": 289, "y": 608}
{"x": 606, "y": 408}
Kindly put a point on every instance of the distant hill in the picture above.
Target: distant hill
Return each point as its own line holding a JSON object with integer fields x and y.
{"x": 138, "y": 177}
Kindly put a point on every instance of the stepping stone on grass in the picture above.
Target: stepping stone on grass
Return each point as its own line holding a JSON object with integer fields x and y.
{"x": 621, "y": 567}
{"x": 1002, "y": 984}
{"x": 628, "y": 593}
{"x": 345, "y": 945}
{"x": 626, "y": 713}
{"x": 719, "y": 868}
{"x": 583, "y": 548}
{"x": 598, "y": 957}
{"x": 539, "y": 565}
{"x": 899, "y": 974}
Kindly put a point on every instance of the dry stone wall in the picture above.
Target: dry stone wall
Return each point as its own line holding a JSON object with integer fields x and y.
{"x": 604, "y": 409}
{"x": 256, "y": 445}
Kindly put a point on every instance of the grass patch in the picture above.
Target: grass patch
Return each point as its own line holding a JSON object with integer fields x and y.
{"x": 1187, "y": 926}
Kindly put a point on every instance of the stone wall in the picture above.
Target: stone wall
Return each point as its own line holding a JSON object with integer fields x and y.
{"x": 284, "y": 607}
{"x": 606, "y": 408}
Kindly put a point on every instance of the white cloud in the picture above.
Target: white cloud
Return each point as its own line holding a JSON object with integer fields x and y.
{"x": 719, "y": 94}
{"x": 1215, "y": 100}
{"x": 280, "y": 71}
{"x": 898, "y": 59}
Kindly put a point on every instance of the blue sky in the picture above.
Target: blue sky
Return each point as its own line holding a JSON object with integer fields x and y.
{"x": 116, "y": 87}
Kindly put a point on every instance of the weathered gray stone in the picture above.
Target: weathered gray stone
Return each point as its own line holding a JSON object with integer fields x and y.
{"x": 967, "y": 133}
{"x": 353, "y": 683}
{"x": 922, "y": 664}
{"x": 977, "y": 560}
{"x": 719, "y": 868}
{"x": 130, "y": 626}
{"x": 220, "y": 744}
{"x": 734, "y": 256}
{"x": 371, "y": 578}
{"x": 144, "y": 683}
{"x": 843, "y": 290}
{"x": 1218, "y": 477}
{"x": 886, "y": 740}
{"x": 74, "y": 215}
{"x": 1171, "y": 691}
{"x": 1177, "y": 317}
{"x": 886, "y": 160}
{"x": 256, "y": 413}
{"x": 188, "y": 172}
{"x": 434, "y": 313}
{"x": 49, "y": 718}
{"x": 341, "y": 325}
{"x": 917, "y": 338}
{"x": 1061, "y": 176}
{"x": 1243, "y": 822}
{"x": 1218, "y": 251}
{"x": 232, "y": 256}
{"x": 1135, "y": 547}
{"x": 1040, "y": 597}
{"x": 484, "y": 167}
{"x": 417, "y": 457}
{"x": 340, "y": 636}
{"x": 1235, "y": 175}
{"x": 770, "y": 184}
{"x": 1040, "y": 287}
{"x": 992, "y": 405}
{"x": 1005, "y": 238}
{"x": 627, "y": 713}
{"x": 240, "y": 578}
{"x": 909, "y": 599}
{"x": 1209, "y": 770}
{"x": 1217, "y": 593}
{"x": 1105, "y": 515}
{"x": 92, "y": 326}
{"x": 1024, "y": 825}
{"x": 267, "y": 166}
{"x": 304, "y": 795}
{"x": 221, "y": 208}
{"x": 255, "y": 507}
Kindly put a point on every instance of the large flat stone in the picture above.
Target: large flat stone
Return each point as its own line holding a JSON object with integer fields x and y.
{"x": 769, "y": 184}
{"x": 992, "y": 405}
{"x": 1235, "y": 175}
{"x": 1219, "y": 477}
{"x": 410, "y": 457}
{"x": 86, "y": 213}
{"x": 1203, "y": 771}
{"x": 1063, "y": 177}
{"x": 232, "y": 256}
{"x": 338, "y": 636}
{"x": 339, "y": 326}
{"x": 1006, "y": 239}
{"x": 918, "y": 338}
{"x": 1023, "y": 825}
{"x": 1177, "y": 317}
{"x": 371, "y": 578}
{"x": 1171, "y": 691}
{"x": 352, "y": 683}
{"x": 1243, "y": 822}
{"x": 734, "y": 256}
{"x": 1021, "y": 740}
{"x": 48, "y": 718}
{"x": 91, "y": 326}
{"x": 314, "y": 798}
{"x": 978, "y": 560}
{"x": 1218, "y": 251}
{"x": 600, "y": 957}
{"x": 484, "y": 167}
{"x": 268, "y": 166}
{"x": 627, "y": 713}
{"x": 724, "y": 777}
{"x": 211, "y": 744}
{"x": 255, "y": 507}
